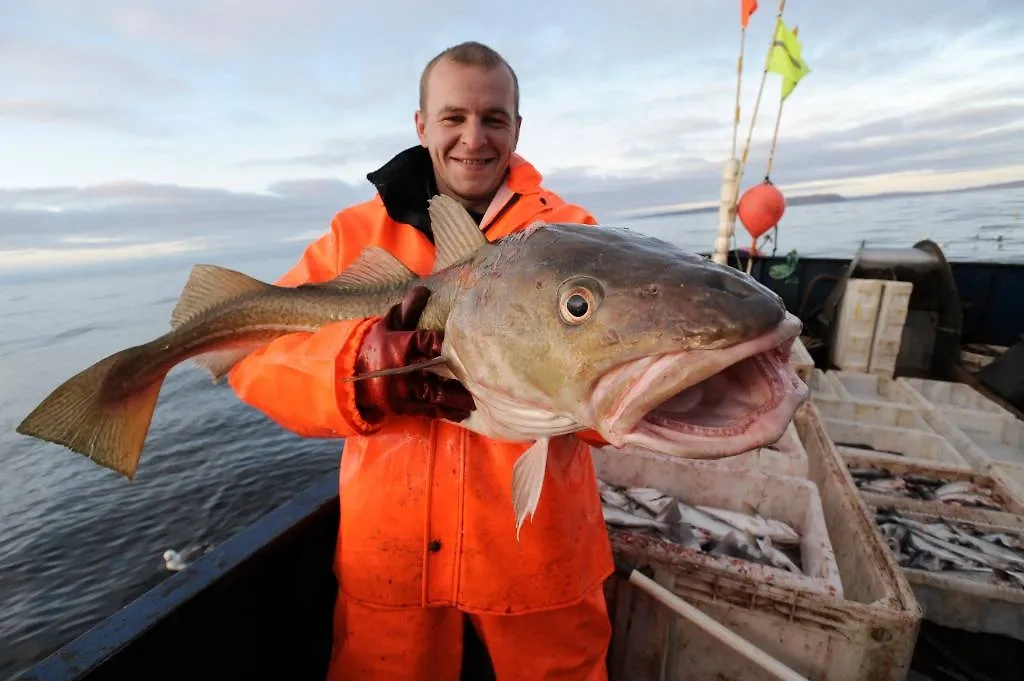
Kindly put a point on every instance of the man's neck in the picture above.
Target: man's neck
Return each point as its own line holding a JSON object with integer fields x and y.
{"x": 407, "y": 182}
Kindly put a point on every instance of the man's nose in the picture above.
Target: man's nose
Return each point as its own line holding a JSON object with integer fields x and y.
{"x": 473, "y": 134}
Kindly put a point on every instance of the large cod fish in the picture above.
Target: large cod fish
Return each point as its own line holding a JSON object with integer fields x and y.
{"x": 553, "y": 329}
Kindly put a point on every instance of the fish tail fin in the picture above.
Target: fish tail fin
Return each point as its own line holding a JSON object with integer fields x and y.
{"x": 209, "y": 286}
{"x": 528, "y": 481}
{"x": 80, "y": 415}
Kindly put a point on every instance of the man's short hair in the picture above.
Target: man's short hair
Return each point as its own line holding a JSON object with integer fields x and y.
{"x": 469, "y": 53}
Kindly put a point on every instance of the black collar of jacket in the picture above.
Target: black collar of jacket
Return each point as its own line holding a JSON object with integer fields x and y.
{"x": 405, "y": 184}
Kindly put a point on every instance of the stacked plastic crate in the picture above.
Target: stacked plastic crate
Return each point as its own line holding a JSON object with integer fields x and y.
{"x": 889, "y": 430}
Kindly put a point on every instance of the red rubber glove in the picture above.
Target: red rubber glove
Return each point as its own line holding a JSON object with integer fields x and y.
{"x": 395, "y": 342}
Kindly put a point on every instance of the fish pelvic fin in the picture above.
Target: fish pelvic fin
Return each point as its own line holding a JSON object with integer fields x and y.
{"x": 209, "y": 286}
{"x": 373, "y": 268}
{"x": 77, "y": 415}
{"x": 528, "y": 481}
{"x": 407, "y": 369}
{"x": 456, "y": 235}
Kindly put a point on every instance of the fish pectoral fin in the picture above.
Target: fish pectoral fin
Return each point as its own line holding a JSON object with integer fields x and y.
{"x": 456, "y": 234}
{"x": 407, "y": 369}
{"x": 211, "y": 285}
{"x": 528, "y": 481}
{"x": 373, "y": 268}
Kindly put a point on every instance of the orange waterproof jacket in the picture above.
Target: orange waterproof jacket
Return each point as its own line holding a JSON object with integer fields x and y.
{"x": 426, "y": 506}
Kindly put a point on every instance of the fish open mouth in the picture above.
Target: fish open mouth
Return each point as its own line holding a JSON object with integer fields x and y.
{"x": 708, "y": 403}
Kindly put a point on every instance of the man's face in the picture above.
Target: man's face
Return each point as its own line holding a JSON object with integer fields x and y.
{"x": 471, "y": 129}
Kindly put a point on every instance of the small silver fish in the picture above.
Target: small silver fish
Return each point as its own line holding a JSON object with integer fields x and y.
{"x": 622, "y": 518}
{"x": 988, "y": 548}
{"x": 707, "y": 524}
{"x": 969, "y": 499}
{"x": 736, "y": 544}
{"x": 885, "y": 486}
{"x": 612, "y": 496}
{"x": 777, "y": 557}
{"x": 757, "y": 525}
{"x": 651, "y": 499}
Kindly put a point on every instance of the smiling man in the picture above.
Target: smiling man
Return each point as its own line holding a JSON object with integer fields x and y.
{"x": 426, "y": 537}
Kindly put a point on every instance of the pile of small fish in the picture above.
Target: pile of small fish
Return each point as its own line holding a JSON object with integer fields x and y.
{"x": 717, "y": 531}
{"x": 925, "y": 488}
{"x": 958, "y": 548}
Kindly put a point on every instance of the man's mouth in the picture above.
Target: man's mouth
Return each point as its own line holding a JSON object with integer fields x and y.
{"x": 708, "y": 403}
{"x": 473, "y": 162}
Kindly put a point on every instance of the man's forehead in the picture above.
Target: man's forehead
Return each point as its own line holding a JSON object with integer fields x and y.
{"x": 461, "y": 88}
{"x": 485, "y": 109}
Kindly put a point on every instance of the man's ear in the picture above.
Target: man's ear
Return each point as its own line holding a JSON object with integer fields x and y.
{"x": 421, "y": 127}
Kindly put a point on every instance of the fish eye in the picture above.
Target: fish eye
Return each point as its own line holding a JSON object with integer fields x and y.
{"x": 578, "y": 301}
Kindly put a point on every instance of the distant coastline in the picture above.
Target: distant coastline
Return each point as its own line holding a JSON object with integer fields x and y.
{"x": 814, "y": 199}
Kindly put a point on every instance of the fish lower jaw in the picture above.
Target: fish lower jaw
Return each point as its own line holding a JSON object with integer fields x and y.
{"x": 743, "y": 406}
{"x": 710, "y": 435}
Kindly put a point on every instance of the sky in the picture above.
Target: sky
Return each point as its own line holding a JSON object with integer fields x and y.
{"x": 129, "y": 129}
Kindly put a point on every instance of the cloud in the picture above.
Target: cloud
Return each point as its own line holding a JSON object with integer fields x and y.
{"x": 342, "y": 151}
{"x": 58, "y": 226}
{"x": 103, "y": 117}
{"x": 172, "y": 121}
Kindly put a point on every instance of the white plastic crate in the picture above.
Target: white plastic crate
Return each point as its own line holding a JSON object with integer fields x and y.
{"x": 952, "y": 395}
{"x": 801, "y": 361}
{"x": 821, "y": 385}
{"x": 961, "y": 603}
{"x": 1012, "y": 475}
{"x": 867, "y": 633}
{"x": 872, "y": 413}
{"x": 1003, "y": 443}
{"x": 855, "y": 329}
{"x": 791, "y": 500}
{"x": 871, "y": 387}
{"x": 1010, "y": 513}
{"x": 892, "y": 316}
{"x": 887, "y": 443}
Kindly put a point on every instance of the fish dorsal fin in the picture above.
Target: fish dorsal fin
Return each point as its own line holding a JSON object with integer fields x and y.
{"x": 209, "y": 286}
{"x": 373, "y": 268}
{"x": 456, "y": 235}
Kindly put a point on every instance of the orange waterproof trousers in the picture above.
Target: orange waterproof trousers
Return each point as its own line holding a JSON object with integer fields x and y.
{"x": 425, "y": 644}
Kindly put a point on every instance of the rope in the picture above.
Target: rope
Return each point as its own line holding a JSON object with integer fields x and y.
{"x": 757, "y": 102}
{"x": 773, "y": 235}
{"x": 750, "y": 132}
{"x": 739, "y": 80}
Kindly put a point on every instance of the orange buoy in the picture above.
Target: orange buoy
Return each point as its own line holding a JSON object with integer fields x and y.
{"x": 760, "y": 208}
